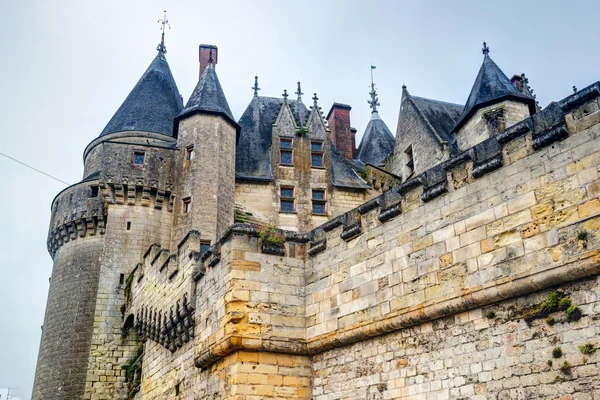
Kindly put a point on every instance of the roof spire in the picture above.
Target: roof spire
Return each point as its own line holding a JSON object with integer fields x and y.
{"x": 374, "y": 102}
{"x": 485, "y": 50}
{"x": 255, "y": 87}
{"x": 210, "y": 59}
{"x": 315, "y": 99}
{"x": 299, "y": 92}
{"x": 285, "y": 95}
{"x": 164, "y": 22}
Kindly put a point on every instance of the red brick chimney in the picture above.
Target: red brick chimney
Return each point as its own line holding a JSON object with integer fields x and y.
{"x": 204, "y": 55}
{"x": 343, "y": 136}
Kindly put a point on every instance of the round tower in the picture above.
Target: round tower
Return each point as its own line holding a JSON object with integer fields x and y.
{"x": 99, "y": 229}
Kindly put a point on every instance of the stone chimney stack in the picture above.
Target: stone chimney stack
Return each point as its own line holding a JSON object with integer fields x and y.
{"x": 343, "y": 136}
{"x": 204, "y": 56}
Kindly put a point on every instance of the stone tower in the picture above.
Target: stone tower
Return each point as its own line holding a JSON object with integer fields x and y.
{"x": 99, "y": 229}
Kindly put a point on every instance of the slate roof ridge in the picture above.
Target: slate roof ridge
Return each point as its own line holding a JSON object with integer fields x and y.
{"x": 437, "y": 101}
{"x": 343, "y": 173}
{"x": 151, "y": 105}
{"x": 491, "y": 85}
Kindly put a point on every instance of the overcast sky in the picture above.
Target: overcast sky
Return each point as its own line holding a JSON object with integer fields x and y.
{"x": 68, "y": 65}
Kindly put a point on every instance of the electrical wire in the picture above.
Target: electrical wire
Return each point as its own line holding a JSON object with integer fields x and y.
{"x": 35, "y": 169}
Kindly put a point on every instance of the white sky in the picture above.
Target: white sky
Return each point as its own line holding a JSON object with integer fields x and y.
{"x": 68, "y": 65}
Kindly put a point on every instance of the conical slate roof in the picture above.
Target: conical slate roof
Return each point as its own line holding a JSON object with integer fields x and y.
{"x": 152, "y": 104}
{"x": 491, "y": 85}
{"x": 208, "y": 97}
{"x": 377, "y": 142}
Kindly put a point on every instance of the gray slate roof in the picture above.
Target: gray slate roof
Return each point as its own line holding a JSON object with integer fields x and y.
{"x": 343, "y": 175}
{"x": 208, "y": 97}
{"x": 377, "y": 142}
{"x": 439, "y": 117}
{"x": 152, "y": 104}
{"x": 491, "y": 85}
{"x": 253, "y": 154}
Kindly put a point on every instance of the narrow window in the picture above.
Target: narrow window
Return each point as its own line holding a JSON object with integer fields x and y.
{"x": 410, "y": 163}
{"x": 317, "y": 154}
{"x": 189, "y": 153}
{"x": 285, "y": 146}
{"x": 121, "y": 279}
{"x": 138, "y": 157}
{"x": 187, "y": 205}
{"x": 287, "y": 199}
{"x": 94, "y": 191}
{"x": 204, "y": 246}
{"x": 318, "y": 201}
{"x": 177, "y": 390}
{"x": 128, "y": 225}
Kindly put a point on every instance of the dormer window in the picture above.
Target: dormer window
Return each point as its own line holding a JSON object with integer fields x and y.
{"x": 138, "y": 157}
{"x": 285, "y": 146}
{"x": 94, "y": 191}
{"x": 189, "y": 153}
{"x": 316, "y": 154}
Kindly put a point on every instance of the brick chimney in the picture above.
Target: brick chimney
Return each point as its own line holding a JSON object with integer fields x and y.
{"x": 343, "y": 136}
{"x": 204, "y": 55}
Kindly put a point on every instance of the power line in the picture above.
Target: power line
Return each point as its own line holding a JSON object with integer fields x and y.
{"x": 35, "y": 169}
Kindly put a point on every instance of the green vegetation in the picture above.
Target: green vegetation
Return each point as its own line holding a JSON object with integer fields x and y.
{"x": 550, "y": 321}
{"x": 573, "y": 313}
{"x": 557, "y": 352}
{"x": 269, "y": 235}
{"x": 583, "y": 235}
{"x": 566, "y": 368}
{"x": 301, "y": 131}
{"x": 587, "y": 348}
{"x": 490, "y": 315}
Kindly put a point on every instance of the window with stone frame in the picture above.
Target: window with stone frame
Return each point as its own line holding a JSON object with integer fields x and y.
{"x": 410, "y": 161}
{"x": 286, "y": 199}
{"x": 286, "y": 151}
{"x": 189, "y": 153}
{"x": 187, "y": 205}
{"x": 94, "y": 191}
{"x": 204, "y": 246}
{"x": 316, "y": 149}
{"x": 138, "y": 157}
{"x": 318, "y": 202}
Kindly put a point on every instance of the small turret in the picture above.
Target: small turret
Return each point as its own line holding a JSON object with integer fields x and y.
{"x": 206, "y": 135}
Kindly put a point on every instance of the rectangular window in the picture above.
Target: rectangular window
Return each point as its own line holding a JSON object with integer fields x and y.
{"x": 317, "y": 154}
{"x": 285, "y": 146}
{"x": 287, "y": 199}
{"x": 138, "y": 157}
{"x": 204, "y": 245}
{"x": 94, "y": 191}
{"x": 187, "y": 205}
{"x": 189, "y": 153}
{"x": 318, "y": 201}
{"x": 410, "y": 163}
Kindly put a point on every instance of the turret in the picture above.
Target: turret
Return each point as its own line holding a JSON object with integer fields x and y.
{"x": 493, "y": 105}
{"x": 206, "y": 134}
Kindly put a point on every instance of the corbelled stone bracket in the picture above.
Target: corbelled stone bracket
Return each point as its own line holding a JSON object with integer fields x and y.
{"x": 351, "y": 225}
{"x": 487, "y": 157}
{"x": 434, "y": 182}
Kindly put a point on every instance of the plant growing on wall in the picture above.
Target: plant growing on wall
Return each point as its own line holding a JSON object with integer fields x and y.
{"x": 301, "y": 131}
{"x": 268, "y": 235}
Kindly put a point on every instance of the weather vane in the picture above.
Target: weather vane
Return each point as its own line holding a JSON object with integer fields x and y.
{"x": 255, "y": 87}
{"x": 374, "y": 102}
{"x": 164, "y": 22}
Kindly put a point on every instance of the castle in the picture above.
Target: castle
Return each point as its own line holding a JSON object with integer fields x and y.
{"x": 202, "y": 257}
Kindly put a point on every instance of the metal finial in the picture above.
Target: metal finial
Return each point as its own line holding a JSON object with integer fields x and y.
{"x": 486, "y": 49}
{"x": 299, "y": 92}
{"x": 255, "y": 87}
{"x": 285, "y": 95}
{"x": 574, "y": 89}
{"x": 210, "y": 59}
{"x": 374, "y": 102}
{"x": 164, "y": 22}
{"x": 315, "y": 99}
